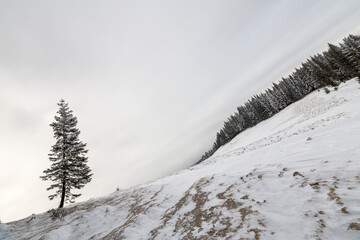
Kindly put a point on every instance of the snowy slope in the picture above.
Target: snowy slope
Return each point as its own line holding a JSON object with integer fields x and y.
{"x": 294, "y": 176}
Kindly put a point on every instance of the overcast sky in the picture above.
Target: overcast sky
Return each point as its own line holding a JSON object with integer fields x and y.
{"x": 150, "y": 81}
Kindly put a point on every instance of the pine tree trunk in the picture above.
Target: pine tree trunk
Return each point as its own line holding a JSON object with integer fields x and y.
{"x": 64, "y": 169}
{"x": 62, "y": 196}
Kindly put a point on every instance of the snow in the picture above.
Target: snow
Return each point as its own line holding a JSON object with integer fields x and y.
{"x": 294, "y": 176}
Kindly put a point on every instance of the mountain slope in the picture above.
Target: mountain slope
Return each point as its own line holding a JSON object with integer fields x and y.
{"x": 294, "y": 176}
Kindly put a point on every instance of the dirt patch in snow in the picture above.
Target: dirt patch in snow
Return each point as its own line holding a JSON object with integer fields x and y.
{"x": 354, "y": 226}
{"x": 194, "y": 216}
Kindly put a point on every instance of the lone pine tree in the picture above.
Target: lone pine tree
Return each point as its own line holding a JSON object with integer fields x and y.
{"x": 68, "y": 156}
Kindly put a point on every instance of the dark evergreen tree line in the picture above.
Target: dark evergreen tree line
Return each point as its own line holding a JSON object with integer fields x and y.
{"x": 337, "y": 64}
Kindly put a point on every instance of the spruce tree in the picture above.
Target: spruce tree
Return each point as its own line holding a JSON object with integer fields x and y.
{"x": 69, "y": 168}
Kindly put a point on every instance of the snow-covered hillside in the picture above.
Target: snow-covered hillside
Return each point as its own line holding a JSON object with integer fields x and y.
{"x": 294, "y": 176}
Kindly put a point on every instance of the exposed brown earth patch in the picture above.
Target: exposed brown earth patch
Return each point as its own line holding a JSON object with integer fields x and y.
{"x": 354, "y": 226}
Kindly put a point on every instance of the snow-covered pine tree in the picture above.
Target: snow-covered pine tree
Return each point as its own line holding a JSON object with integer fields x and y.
{"x": 68, "y": 156}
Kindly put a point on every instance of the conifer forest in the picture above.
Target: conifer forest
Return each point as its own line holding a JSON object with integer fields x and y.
{"x": 337, "y": 64}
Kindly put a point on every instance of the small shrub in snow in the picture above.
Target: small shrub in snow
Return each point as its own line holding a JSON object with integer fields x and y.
{"x": 57, "y": 214}
{"x": 327, "y": 91}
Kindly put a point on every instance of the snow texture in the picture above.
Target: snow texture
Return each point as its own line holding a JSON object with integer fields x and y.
{"x": 294, "y": 176}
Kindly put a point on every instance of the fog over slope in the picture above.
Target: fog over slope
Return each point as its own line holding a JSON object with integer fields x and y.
{"x": 293, "y": 176}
